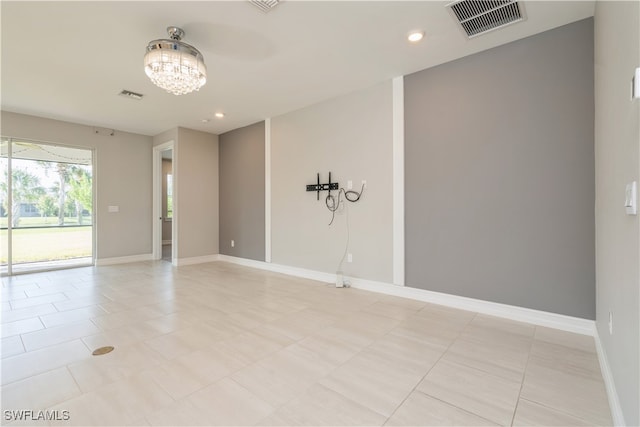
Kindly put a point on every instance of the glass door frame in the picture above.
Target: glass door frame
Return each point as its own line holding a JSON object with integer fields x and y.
{"x": 9, "y": 268}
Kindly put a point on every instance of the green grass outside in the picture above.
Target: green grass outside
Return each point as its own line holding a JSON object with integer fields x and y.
{"x": 35, "y": 221}
{"x": 46, "y": 244}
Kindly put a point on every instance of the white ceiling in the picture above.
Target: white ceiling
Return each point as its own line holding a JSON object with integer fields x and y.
{"x": 69, "y": 60}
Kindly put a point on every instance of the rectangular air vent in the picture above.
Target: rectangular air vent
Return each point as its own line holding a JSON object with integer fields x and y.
{"x": 132, "y": 95}
{"x": 477, "y": 17}
{"x": 264, "y": 5}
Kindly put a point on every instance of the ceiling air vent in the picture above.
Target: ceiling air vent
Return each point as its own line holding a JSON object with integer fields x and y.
{"x": 264, "y": 5}
{"x": 477, "y": 17}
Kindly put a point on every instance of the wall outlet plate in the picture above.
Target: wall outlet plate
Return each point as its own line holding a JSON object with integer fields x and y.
{"x": 631, "y": 198}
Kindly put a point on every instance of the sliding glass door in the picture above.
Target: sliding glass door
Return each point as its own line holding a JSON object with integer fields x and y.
{"x": 46, "y": 213}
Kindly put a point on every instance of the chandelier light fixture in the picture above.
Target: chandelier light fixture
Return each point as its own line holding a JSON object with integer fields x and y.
{"x": 173, "y": 65}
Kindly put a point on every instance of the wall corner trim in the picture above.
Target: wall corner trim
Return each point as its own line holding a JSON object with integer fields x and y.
{"x": 617, "y": 415}
{"x": 520, "y": 314}
{"x": 267, "y": 190}
{"x": 398, "y": 181}
{"x": 124, "y": 259}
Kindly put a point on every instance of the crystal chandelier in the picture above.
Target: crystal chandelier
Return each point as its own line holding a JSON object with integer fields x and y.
{"x": 173, "y": 65}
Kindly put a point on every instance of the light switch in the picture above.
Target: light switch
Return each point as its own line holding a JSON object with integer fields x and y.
{"x": 113, "y": 209}
{"x": 631, "y": 198}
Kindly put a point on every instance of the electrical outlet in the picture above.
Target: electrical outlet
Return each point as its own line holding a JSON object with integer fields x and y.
{"x": 610, "y": 323}
{"x": 233, "y": 243}
{"x": 349, "y": 257}
{"x": 349, "y": 185}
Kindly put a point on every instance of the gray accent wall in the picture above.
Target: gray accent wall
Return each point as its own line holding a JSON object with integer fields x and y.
{"x": 499, "y": 174}
{"x": 242, "y": 192}
{"x": 617, "y": 138}
{"x": 195, "y": 170}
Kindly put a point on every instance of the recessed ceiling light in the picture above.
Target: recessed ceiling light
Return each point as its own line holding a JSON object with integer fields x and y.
{"x": 415, "y": 36}
{"x": 219, "y": 115}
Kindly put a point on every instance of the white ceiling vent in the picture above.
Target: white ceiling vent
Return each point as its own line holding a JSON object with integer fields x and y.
{"x": 264, "y": 5}
{"x": 477, "y": 17}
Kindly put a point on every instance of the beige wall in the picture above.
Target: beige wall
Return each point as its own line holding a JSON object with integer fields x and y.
{"x": 122, "y": 174}
{"x": 350, "y": 136}
{"x": 195, "y": 165}
{"x": 617, "y": 140}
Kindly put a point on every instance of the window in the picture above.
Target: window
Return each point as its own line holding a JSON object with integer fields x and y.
{"x": 169, "y": 207}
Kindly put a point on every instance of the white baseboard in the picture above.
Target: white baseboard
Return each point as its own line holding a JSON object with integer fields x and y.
{"x": 124, "y": 259}
{"x": 196, "y": 260}
{"x": 617, "y": 415}
{"x": 520, "y": 314}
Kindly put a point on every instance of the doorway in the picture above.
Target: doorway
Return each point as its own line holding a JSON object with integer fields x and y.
{"x": 164, "y": 230}
{"x": 46, "y": 206}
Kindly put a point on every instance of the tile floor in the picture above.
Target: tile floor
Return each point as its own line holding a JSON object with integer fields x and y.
{"x": 220, "y": 344}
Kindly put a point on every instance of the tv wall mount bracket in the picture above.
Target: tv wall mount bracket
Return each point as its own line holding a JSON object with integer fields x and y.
{"x": 323, "y": 187}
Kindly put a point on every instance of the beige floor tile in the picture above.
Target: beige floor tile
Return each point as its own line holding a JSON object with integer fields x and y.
{"x": 427, "y": 330}
{"x": 40, "y": 391}
{"x": 219, "y": 343}
{"x": 533, "y": 414}
{"x": 395, "y": 308}
{"x": 568, "y": 360}
{"x": 179, "y": 343}
{"x": 21, "y": 327}
{"x": 330, "y": 348}
{"x": 411, "y": 355}
{"x": 567, "y": 339}
{"x": 121, "y": 363}
{"x": 577, "y": 395}
{"x": 71, "y": 316}
{"x": 35, "y": 362}
{"x": 32, "y": 302}
{"x": 284, "y": 375}
{"x": 373, "y": 381}
{"x": 451, "y": 316}
{"x": 300, "y": 324}
{"x": 228, "y": 403}
{"x": 503, "y": 325}
{"x": 124, "y": 336}
{"x": 481, "y": 393}
{"x": 422, "y": 410}
{"x": 186, "y": 374}
{"x": 11, "y": 346}
{"x": 59, "y": 334}
{"x": 499, "y": 359}
{"x": 320, "y": 406}
{"x": 250, "y": 347}
{"x": 180, "y": 413}
{"x": 27, "y": 313}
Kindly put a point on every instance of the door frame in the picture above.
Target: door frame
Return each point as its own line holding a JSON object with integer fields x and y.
{"x": 158, "y": 217}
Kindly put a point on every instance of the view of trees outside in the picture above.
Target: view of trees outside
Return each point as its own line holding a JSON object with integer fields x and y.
{"x": 51, "y": 205}
{"x": 47, "y": 194}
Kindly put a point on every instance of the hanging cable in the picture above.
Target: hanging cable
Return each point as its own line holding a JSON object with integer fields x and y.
{"x": 333, "y": 202}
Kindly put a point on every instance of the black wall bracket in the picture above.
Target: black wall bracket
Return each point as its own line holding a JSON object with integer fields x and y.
{"x": 323, "y": 187}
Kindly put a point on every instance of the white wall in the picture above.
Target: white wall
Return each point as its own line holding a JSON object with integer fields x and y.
{"x": 617, "y": 140}
{"x": 122, "y": 173}
{"x": 351, "y": 137}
